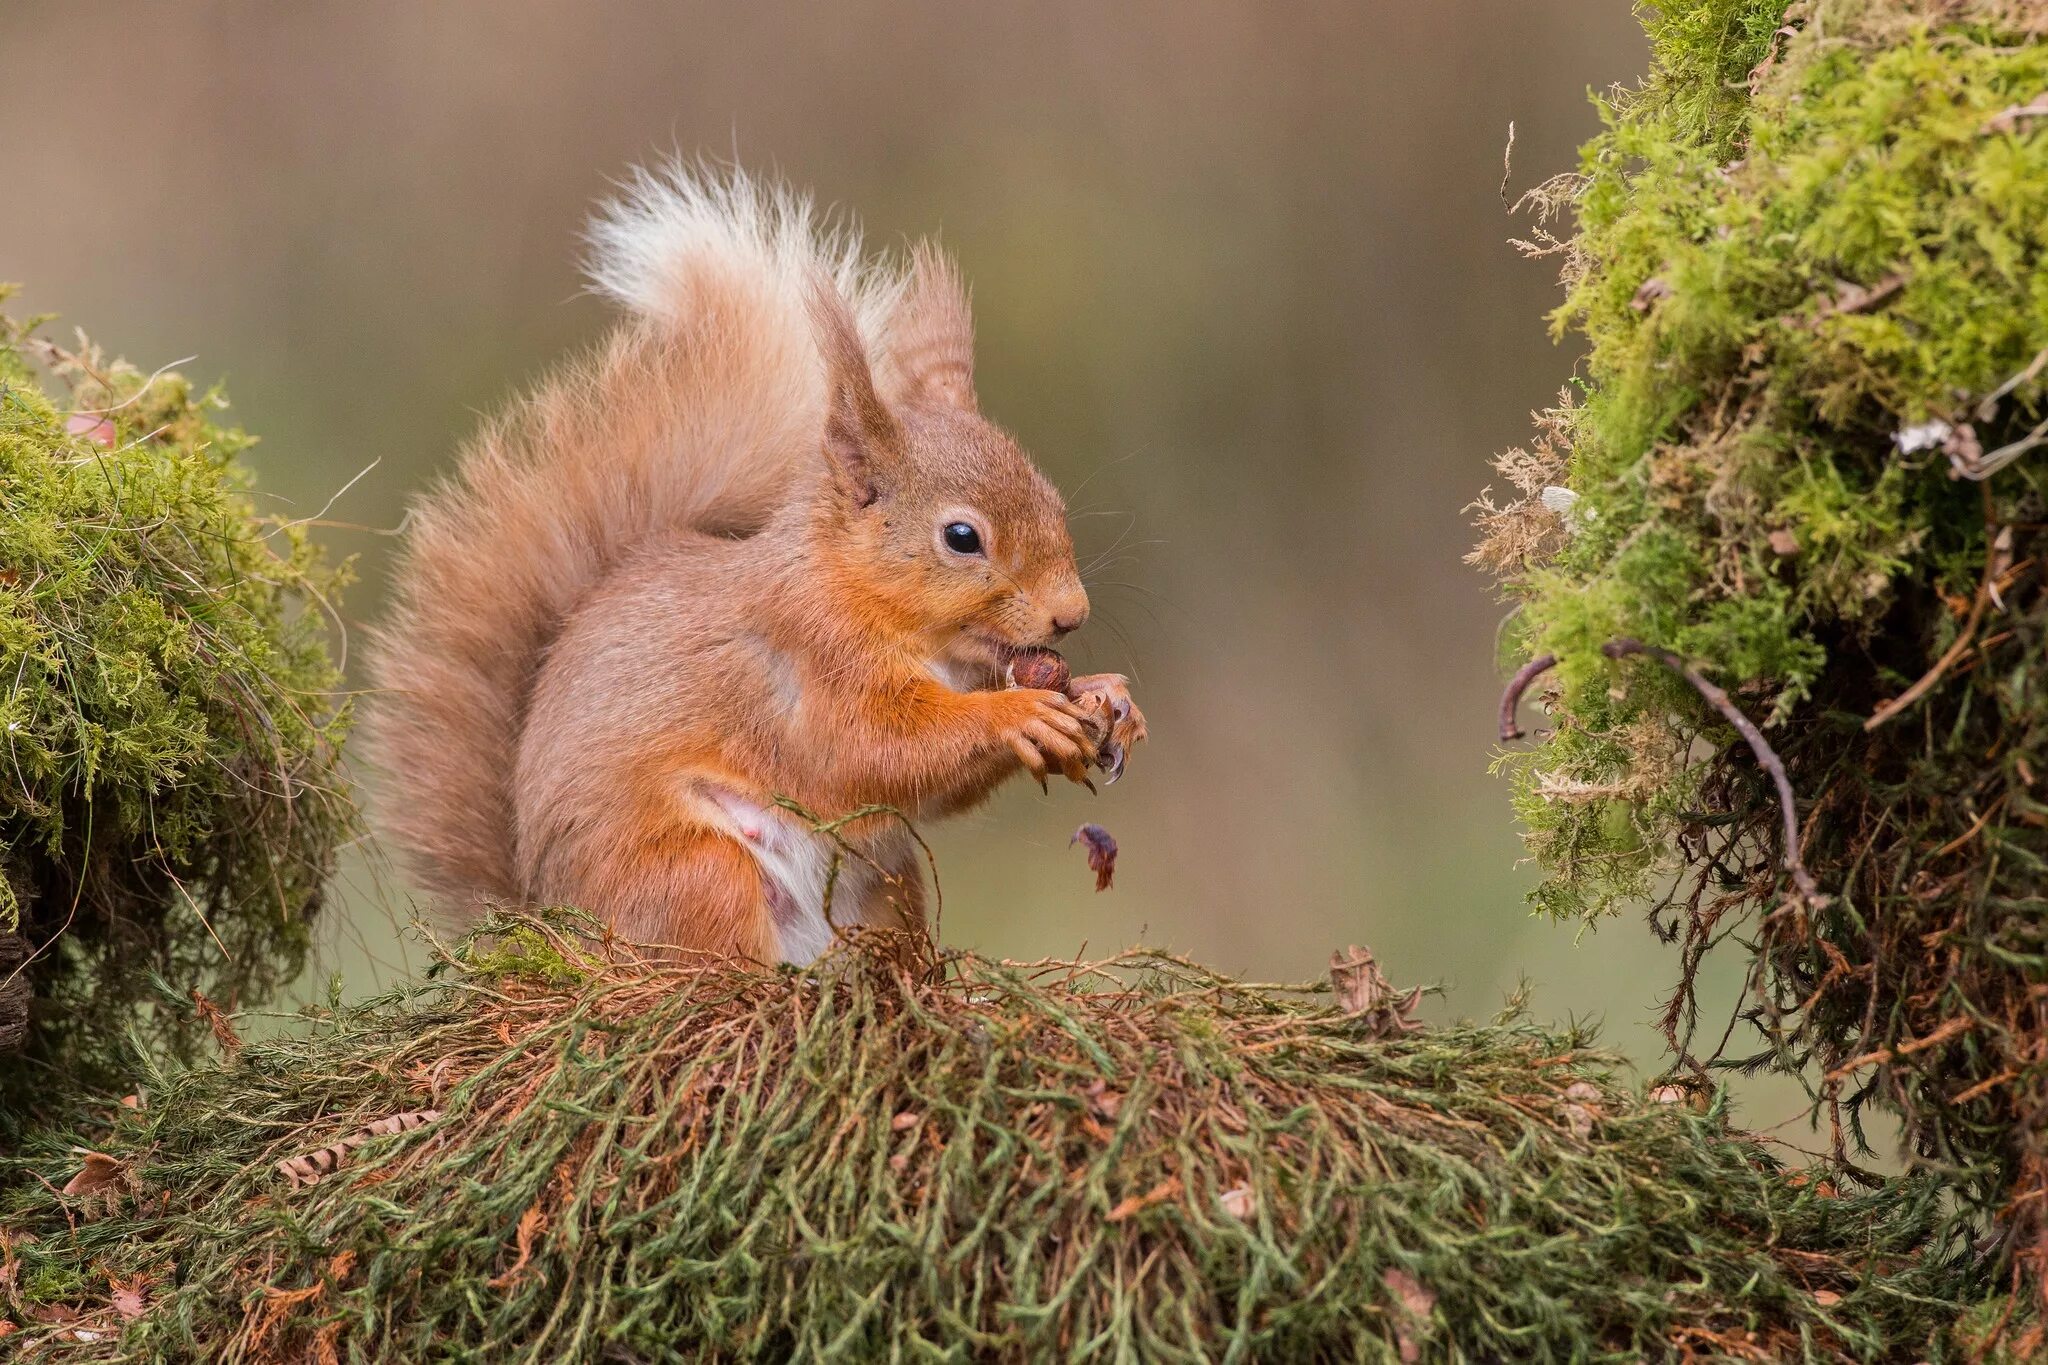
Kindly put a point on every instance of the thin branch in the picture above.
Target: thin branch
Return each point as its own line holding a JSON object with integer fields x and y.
{"x": 1517, "y": 685}
{"x": 1986, "y": 465}
{"x": 1766, "y": 757}
{"x": 1988, "y": 409}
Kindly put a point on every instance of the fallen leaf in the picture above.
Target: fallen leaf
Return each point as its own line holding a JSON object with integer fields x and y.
{"x": 1238, "y": 1202}
{"x": 99, "y": 1171}
{"x": 2007, "y": 120}
{"x": 530, "y": 1224}
{"x": 1771, "y": 54}
{"x": 1826, "y": 1298}
{"x": 217, "y": 1019}
{"x": 1101, "y": 853}
{"x": 1363, "y": 992}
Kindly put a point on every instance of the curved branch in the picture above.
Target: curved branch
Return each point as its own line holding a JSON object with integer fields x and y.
{"x": 1517, "y": 685}
{"x": 1766, "y": 757}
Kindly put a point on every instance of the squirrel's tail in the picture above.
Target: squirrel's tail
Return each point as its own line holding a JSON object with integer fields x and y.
{"x": 702, "y": 413}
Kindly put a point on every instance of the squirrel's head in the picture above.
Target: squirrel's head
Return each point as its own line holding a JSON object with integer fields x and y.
{"x": 951, "y": 529}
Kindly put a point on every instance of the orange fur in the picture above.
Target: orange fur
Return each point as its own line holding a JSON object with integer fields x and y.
{"x": 707, "y": 568}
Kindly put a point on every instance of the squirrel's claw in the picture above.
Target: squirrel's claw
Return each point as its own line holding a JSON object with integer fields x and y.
{"x": 1106, "y": 698}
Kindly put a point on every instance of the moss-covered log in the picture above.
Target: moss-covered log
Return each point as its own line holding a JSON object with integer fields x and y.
{"x": 168, "y": 713}
{"x": 561, "y": 1150}
{"x": 1810, "y": 458}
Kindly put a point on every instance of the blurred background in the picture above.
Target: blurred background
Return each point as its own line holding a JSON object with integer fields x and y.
{"x": 1243, "y": 287}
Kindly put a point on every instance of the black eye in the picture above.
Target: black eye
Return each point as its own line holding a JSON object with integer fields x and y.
{"x": 961, "y": 538}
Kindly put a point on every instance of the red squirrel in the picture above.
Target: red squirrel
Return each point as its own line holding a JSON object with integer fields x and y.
{"x": 762, "y": 544}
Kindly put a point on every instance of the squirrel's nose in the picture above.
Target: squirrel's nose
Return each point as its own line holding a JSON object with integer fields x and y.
{"x": 1068, "y": 622}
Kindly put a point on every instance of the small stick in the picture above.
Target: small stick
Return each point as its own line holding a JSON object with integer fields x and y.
{"x": 1766, "y": 757}
{"x": 1517, "y": 685}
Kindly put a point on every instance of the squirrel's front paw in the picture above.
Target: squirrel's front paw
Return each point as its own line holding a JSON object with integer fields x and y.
{"x": 1105, "y": 699}
{"x": 1048, "y": 732}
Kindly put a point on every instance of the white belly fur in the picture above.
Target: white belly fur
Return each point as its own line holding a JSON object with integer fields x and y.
{"x": 797, "y": 863}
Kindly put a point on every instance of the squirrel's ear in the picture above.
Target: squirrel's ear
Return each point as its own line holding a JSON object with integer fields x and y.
{"x": 929, "y": 353}
{"x": 860, "y": 435}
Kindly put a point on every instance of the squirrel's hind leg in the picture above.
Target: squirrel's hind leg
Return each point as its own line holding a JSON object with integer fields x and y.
{"x": 693, "y": 889}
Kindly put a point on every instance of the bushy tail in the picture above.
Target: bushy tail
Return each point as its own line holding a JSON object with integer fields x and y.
{"x": 702, "y": 413}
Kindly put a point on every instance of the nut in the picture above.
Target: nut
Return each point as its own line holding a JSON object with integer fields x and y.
{"x": 1040, "y": 668}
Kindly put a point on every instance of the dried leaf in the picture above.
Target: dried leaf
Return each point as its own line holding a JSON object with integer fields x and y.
{"x": 1364, "y": 993}
{"x": 1238, "y": 1202}
{"x": 1103, "y": 1102}
{"x": 1101, "y": 853}
{"x": 217, "y": 1019}
{"x": 530, "y": 1224}
{"x": 2008, "y": 119}
{"x": 1826, "y": 1298}
{"x": 1771, "y": 55}
{"x": 99, "y": 1171}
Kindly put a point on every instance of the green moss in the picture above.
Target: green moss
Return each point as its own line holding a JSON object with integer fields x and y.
{"x": 523, "y": 951}
{"x": 1806, "y": 233}
{"x": 167, "y": 704}
{"x": 889, "y": 1156}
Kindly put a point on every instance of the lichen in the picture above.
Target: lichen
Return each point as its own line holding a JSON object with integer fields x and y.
{"x": 169, "y": 718}
{"x": 1808, "y": 271}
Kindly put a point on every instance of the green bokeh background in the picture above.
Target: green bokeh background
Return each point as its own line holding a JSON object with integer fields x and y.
{"x": 1243, "y": 285}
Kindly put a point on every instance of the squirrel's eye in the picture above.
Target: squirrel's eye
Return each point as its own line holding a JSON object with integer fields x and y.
{"x": 961, "y": 538}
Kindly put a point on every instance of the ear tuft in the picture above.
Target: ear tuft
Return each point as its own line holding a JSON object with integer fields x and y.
{"x": 928, "y": 341}
{"x": 860, "y": 434}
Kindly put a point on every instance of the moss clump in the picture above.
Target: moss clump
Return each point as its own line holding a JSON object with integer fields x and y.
{"x": 891, "y": 1156}
{"x": 1811, "y": 271}
{"x": 168, "y": 721}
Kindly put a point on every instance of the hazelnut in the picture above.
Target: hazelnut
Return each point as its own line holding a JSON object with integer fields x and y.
{"x": 1040, "y": 668}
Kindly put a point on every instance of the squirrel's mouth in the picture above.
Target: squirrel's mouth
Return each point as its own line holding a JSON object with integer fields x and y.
{"x": 984, "y": 652}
